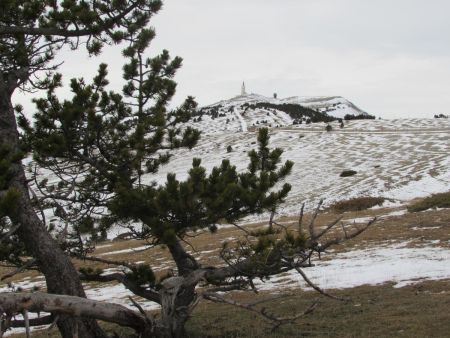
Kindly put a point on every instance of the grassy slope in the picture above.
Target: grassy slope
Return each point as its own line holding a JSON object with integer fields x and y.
{"x": 420, "y": 310}
{"x": 375, "y": 311}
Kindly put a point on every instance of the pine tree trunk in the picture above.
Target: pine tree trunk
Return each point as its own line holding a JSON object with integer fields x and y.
{"x": 60, "y": 274}
{"x": 176, "y": 303}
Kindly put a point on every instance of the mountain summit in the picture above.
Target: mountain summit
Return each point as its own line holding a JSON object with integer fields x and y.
{"x": 247, "y": 111}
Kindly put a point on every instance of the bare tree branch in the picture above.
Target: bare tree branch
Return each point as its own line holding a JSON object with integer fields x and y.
{"x": 74, "y": 306}
{"x": 107, "y": 261}
{"x": 347, "y": 236}
{"x": 20, "y": 269}
{"x": 276, "y": 321}
{"x": 311, "y": 227}
{"x": 315, "y": 287}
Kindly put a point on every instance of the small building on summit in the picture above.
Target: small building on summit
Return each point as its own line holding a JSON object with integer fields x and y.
{"x": 243, "y": 92}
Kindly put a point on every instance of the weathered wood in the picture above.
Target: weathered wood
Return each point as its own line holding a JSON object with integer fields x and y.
{"x": 13, "y": 303}
{"x": 178, "y": 299}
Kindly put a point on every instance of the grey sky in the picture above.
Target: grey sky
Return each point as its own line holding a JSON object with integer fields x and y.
{"x": 390, "y": 57}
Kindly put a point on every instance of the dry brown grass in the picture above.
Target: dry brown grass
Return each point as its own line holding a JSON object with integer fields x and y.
{"x": 441, "y": 200}
{"x": 376, "y": 311}
{"x": 357, "y": 204}
{"x": 381, "y": 311}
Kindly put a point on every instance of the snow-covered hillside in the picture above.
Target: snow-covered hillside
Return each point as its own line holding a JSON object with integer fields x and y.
{"x": 399, "y": 159}
{"x": 335, "y": 106}
{"x": 248, "y": 111}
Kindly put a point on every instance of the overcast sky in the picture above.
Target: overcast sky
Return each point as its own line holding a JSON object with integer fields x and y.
{"x": 389, "y": 57}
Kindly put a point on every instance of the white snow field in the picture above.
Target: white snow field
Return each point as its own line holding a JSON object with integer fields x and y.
{"x": 374, "y": 265}
{"x": 396, "y": 159}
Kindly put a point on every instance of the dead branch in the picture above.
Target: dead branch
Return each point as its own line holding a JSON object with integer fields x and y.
{"x": 20, "y": 269}
{"x": 37, "y": 302}
{"x": 241, "y": 228}
{"x": 150, "y": 320}
{"x": 347, "y": 235}
{"x": 316, "y": 287}
{"x": 272, "y": 318}
{"x": 312, "y": 231}
{"x": 328, "y": 228}
{"x": 107, "y": 261}
{"x": 27, "y": 323}
{"x": 300, "y": 219}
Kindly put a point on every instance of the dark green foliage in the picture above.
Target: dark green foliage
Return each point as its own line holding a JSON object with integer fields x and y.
{"x": 112, "y": 139}
{"x": 31, "y": 32}
{"x": 348, "y": 173}
{"x": 441, "y": 116}
{"x": 7, "y": 158}
{"x": 357, "y": 204}
{"x": 203, "y": 200}
{"x": 142, "y": 275}
{"x": 348, "y": 117}
{"x": 56, "y": 23}
{"x": 8, "y": 202}
{"x": 229, "y": 149}
{"x": 295, "y": 111}
{"x": 441, "y": 200}
{"x": 11, "y": 249}
{"x": 8, "y": 195}
{"x": 328, "y": 128}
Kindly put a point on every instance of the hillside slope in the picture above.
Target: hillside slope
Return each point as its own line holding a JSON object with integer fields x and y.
{"x": 399, "y": 159}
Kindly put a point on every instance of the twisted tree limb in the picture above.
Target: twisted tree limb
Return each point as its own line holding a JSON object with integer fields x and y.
{"x": 13, "y": 303}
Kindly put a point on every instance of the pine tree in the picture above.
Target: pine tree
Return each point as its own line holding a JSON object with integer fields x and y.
{"x": 115, "y": 141}
{"x": 31, "y": 33}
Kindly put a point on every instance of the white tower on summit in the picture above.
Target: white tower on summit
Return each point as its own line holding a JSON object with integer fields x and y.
{"x": 243, "y": 92}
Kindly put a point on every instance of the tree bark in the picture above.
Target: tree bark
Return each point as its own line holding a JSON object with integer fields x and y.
{"x": 178, "y": 299}
{"x": 60, "y": 274}
{"x": 184, "y": 261}
{"x": 178, "y": 295}
{"x": 74, "y": 306}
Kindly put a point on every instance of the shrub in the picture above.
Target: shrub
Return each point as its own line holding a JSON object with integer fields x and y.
{"x": 441, "y": 116}
{"x": 441, "y": 200}
{"x": 328, "y": 128}
{"x": 347, "y": 173}
{"x": 348, "y": 117}
{"x": 229, "y": 149}
{"x": 357, "y": 204}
